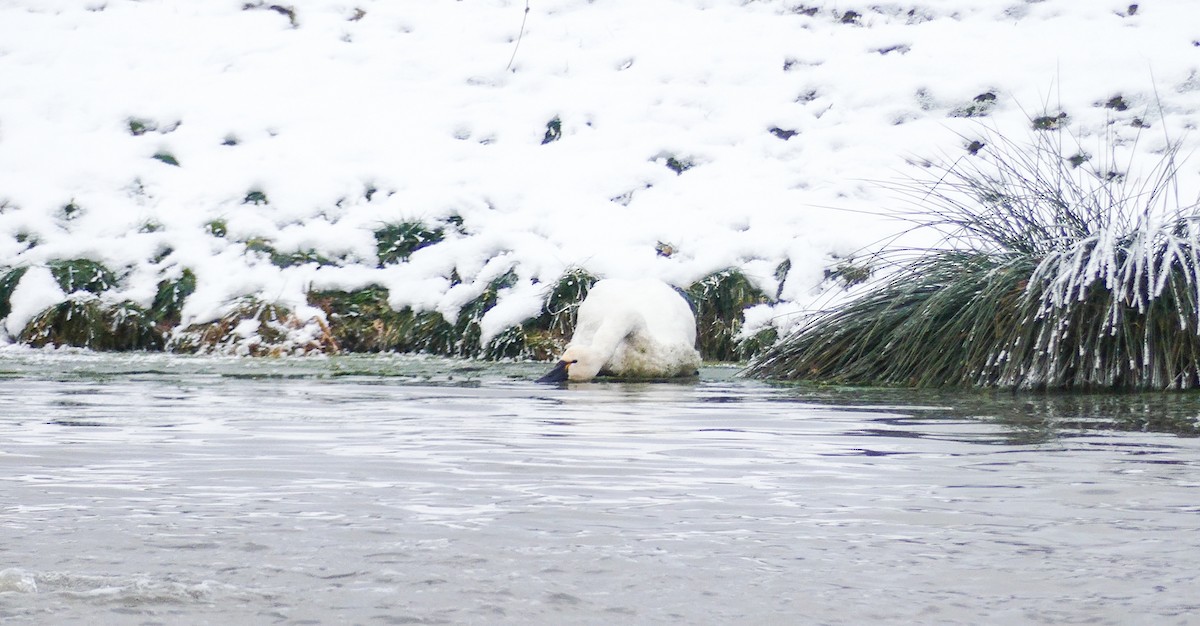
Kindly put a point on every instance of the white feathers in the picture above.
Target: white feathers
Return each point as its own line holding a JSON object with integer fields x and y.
{"x": 633, "y": 329}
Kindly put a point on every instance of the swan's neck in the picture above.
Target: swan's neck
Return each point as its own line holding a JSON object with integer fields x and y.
{"x": 605, "y": 342}
{"x": 614, "y": 331}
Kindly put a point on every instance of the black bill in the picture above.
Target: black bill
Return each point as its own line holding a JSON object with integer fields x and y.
{"x": 556, "y": 375}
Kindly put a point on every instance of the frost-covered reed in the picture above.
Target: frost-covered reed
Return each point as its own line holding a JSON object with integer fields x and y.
{"x": 1056, "y": 272}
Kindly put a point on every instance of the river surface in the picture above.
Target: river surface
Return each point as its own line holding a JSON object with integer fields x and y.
{"x": 399, "y": 490}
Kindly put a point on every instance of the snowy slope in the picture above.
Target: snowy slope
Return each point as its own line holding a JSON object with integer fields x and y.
{"x": 348, "y": 115}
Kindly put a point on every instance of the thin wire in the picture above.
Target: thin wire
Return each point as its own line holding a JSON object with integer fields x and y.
{"x": 520, "y": 36}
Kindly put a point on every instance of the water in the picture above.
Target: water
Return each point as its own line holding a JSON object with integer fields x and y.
{"x": 382, "y": 490}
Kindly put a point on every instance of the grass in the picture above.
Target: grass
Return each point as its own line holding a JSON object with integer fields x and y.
{"x": 544, "y": 337}
{"x": 394, "y": 243}
{"x": 255, "y": 328}
{"x": 553, "y": 131}
{"x": 166, "y": 157}
{"x": 362, "y": 321}
{"x": 562, "y": 302}
{"x": 1051, "y": 276}
{"x": 256, "y": 197}
{"x": 280, "y": 259}
{"x": 167, "y": 309}
{"x": 84, "y": 321}
{"x": 8, "y": 282}
{"x": 217, "y": 228}
{"x": 82, "y": 275}
{"x": 468, "y": 330}
{"x": 719, "y": 300}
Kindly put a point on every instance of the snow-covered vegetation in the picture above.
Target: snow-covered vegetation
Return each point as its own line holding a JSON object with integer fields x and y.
{"x": 1054, "y": 276}
{"x": 277, "y": 169}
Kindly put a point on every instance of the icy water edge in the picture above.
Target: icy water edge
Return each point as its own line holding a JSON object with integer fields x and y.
{"x": 398, "y": 490}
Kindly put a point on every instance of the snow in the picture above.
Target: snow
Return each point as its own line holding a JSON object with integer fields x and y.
{"x": 414, "y": 101}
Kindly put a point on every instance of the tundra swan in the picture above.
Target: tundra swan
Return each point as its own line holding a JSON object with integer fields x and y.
{"x": 631, "y": 329}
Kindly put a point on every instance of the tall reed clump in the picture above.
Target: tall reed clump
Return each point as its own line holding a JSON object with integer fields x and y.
{"x": 1054, "y": 274}
{"x": 720, "y": 300}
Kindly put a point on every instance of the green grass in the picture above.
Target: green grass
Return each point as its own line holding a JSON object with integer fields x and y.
{"x": 166, "y": 157}
{"x": 169, "y": 299}
{"x": 280, "y": 259}
{"x": 720, "y": 300}
{"x": 217, "y": 228}
{"x": 82, "y": 275}
{"x": 84, "y": 321}
{"x": 256, "y": 197}
{"x": 8, "y": 282}
{"x": 394, "y": 243}
{"x": 562, "y": 302}
{"x": 678, "y": 164}
{"x": 1050, "y": 276}
{"x": 544, "y": 337}
{"x": 362, "y": 321}
{"x": 467, "y": 328}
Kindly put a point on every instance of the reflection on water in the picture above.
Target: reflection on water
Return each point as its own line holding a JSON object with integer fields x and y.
{"x": 381, "y": 490}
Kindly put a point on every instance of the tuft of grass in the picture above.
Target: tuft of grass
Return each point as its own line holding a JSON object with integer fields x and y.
{"x": 70, "y": 211}
{"x": 84, "y": 321}
{"x": 299, "y": 257}
{"x": 28, "y": 239}
{"x": 9, "y": 278}
{"x": 848, "y": 272}
{"x": 394, "y": 243}
{"x": 82, "y": 275}
{"x": 720, "y": 300}
{"x": 166, "y": 157}
{"x": 139, "y": 126}
{"x": 169, "y": 299}
{"x": 930, "y": 325}
{"x": 467, "y": 328}
{"x": 256, "y": 328}
{"x": 256, "y": 197}
{"x": 563, "y": 300}
{"x": 287, "y": 11}
{"x": 553, "y": 131}
{"x": 979, "y": 106}
{"x": 217, "y": 228}
{"x": 783, "y": 133}
{"x": 546, "y": 336}
{"x": 362, "y": 321}
{"x": 1050, "y": 122}
{"x": 292, "y": 258}
{"x": 1051, "y": 276}
{"x": 678, "y": 164}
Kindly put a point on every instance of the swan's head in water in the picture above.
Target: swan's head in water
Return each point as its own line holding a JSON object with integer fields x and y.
{"x": 577, "y": 363}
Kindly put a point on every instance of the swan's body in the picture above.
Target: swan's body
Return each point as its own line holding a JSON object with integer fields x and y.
{"x": 630, "y": 329}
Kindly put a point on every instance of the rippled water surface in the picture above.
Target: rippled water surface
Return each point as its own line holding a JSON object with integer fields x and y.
{"x": 167, "y": 490}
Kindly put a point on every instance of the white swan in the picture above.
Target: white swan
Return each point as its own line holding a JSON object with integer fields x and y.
{"x": 630, "y": 329}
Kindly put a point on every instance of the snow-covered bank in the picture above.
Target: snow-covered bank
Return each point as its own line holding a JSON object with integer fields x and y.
{"x": 155, "y": 136}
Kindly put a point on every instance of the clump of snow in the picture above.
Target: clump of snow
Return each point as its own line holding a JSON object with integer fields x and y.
{"x": 128, "y": 127}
